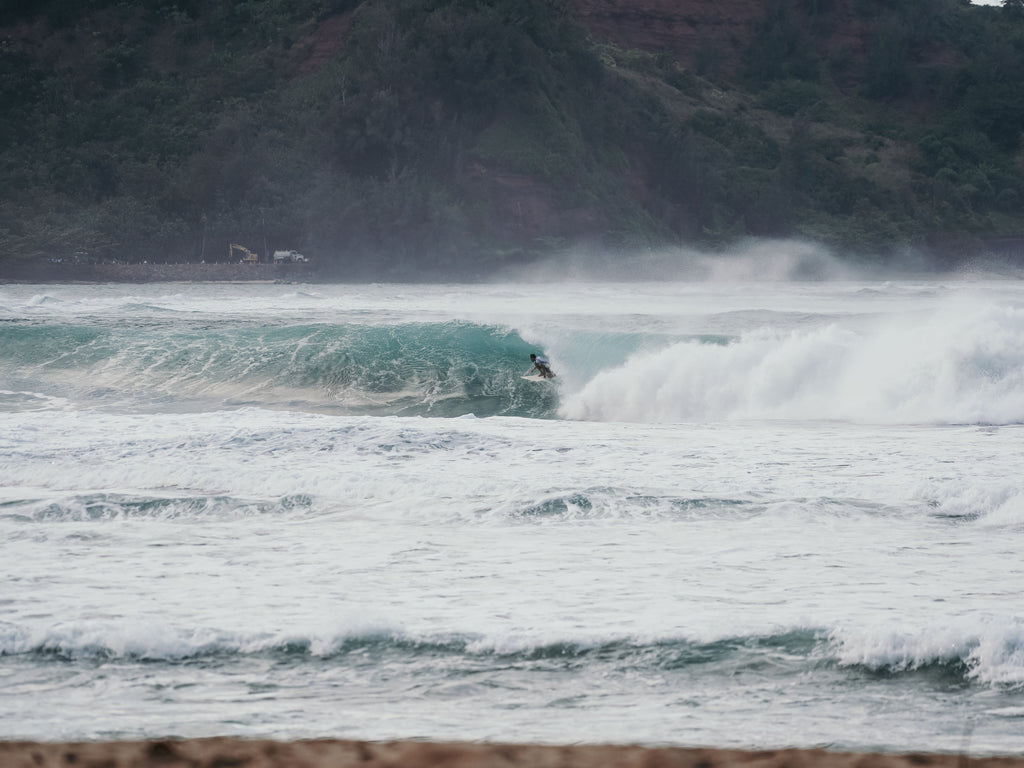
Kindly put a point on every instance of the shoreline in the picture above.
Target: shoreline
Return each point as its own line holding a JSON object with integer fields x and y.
{"x": 222, "y": 752}
{"x": 182, "y": 272}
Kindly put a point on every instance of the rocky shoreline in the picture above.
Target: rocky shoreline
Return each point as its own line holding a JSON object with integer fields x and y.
{"x": 157, "y": 273}
{"x": 242, "y": 753}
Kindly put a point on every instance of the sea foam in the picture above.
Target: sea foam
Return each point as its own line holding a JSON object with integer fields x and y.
{"x": 990, "y": 650}
{"x": 956, "y": 367}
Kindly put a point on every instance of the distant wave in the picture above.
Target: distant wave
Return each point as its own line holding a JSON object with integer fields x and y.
{"x": 585, "y": 504}
{"x": 100, "y": 507}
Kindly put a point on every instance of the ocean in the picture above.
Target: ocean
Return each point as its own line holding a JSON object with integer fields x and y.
{"x": 749, "y": 514}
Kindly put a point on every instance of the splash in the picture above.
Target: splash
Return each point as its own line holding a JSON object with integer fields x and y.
{"x": 961, "y": 366}
{"x": 990, "y": 651}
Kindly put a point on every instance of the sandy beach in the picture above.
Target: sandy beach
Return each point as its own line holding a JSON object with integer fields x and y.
{"x": 240, "y": 753}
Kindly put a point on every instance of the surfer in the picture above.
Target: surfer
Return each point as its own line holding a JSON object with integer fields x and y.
{"x": 542, "y": 366}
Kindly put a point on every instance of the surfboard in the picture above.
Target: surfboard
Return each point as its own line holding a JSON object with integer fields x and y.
{"x": 535, "y": 377}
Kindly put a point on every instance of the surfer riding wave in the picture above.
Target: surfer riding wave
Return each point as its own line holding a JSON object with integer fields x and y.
{"x": 541, "y": 366}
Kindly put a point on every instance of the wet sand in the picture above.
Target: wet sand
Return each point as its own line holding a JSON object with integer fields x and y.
{"x": 241, "y": 753}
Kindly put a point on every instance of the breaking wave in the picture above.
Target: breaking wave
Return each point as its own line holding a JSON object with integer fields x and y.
{"x": 988, "y": 655}
{"x": 963, "y": 367}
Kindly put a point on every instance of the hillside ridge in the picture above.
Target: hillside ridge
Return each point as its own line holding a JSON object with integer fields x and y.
{"x": 400, "y": 138}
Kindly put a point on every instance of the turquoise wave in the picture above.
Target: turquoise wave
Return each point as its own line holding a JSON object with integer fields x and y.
{"x": 429, "y": 369}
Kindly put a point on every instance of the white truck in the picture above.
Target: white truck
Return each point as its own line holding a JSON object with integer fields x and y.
{"x": 288, "y": 257}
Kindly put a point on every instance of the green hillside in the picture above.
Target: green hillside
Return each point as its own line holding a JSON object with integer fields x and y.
{"x": 413, "y": 138}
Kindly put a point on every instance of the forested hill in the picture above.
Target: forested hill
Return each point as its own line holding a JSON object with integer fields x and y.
{"x": 419, "y": 138}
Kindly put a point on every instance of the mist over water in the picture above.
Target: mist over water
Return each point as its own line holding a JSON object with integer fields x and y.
{"x": 747, "y": 512}
{"x": 754, "y": 261}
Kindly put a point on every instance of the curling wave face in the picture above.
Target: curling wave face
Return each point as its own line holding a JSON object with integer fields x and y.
{"x": 425, "y": 369}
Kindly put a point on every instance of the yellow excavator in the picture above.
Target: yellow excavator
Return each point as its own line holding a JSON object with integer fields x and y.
{"x": 248, "y": 257}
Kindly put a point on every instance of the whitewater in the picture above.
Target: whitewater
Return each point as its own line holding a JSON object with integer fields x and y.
{"x": 745, "y": 513}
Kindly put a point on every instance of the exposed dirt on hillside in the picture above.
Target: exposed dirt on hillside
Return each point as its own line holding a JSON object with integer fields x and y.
{"x": 530, "y": 209}
{"x": 689, "y": 30}
{"x": 713, "y": 35}
{"x": 324, "y": 41}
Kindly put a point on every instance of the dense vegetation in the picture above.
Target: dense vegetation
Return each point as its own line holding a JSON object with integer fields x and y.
{"x": 419, "y": 137}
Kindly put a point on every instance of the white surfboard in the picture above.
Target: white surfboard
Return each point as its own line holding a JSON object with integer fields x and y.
{"x": 535, "y": 377}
